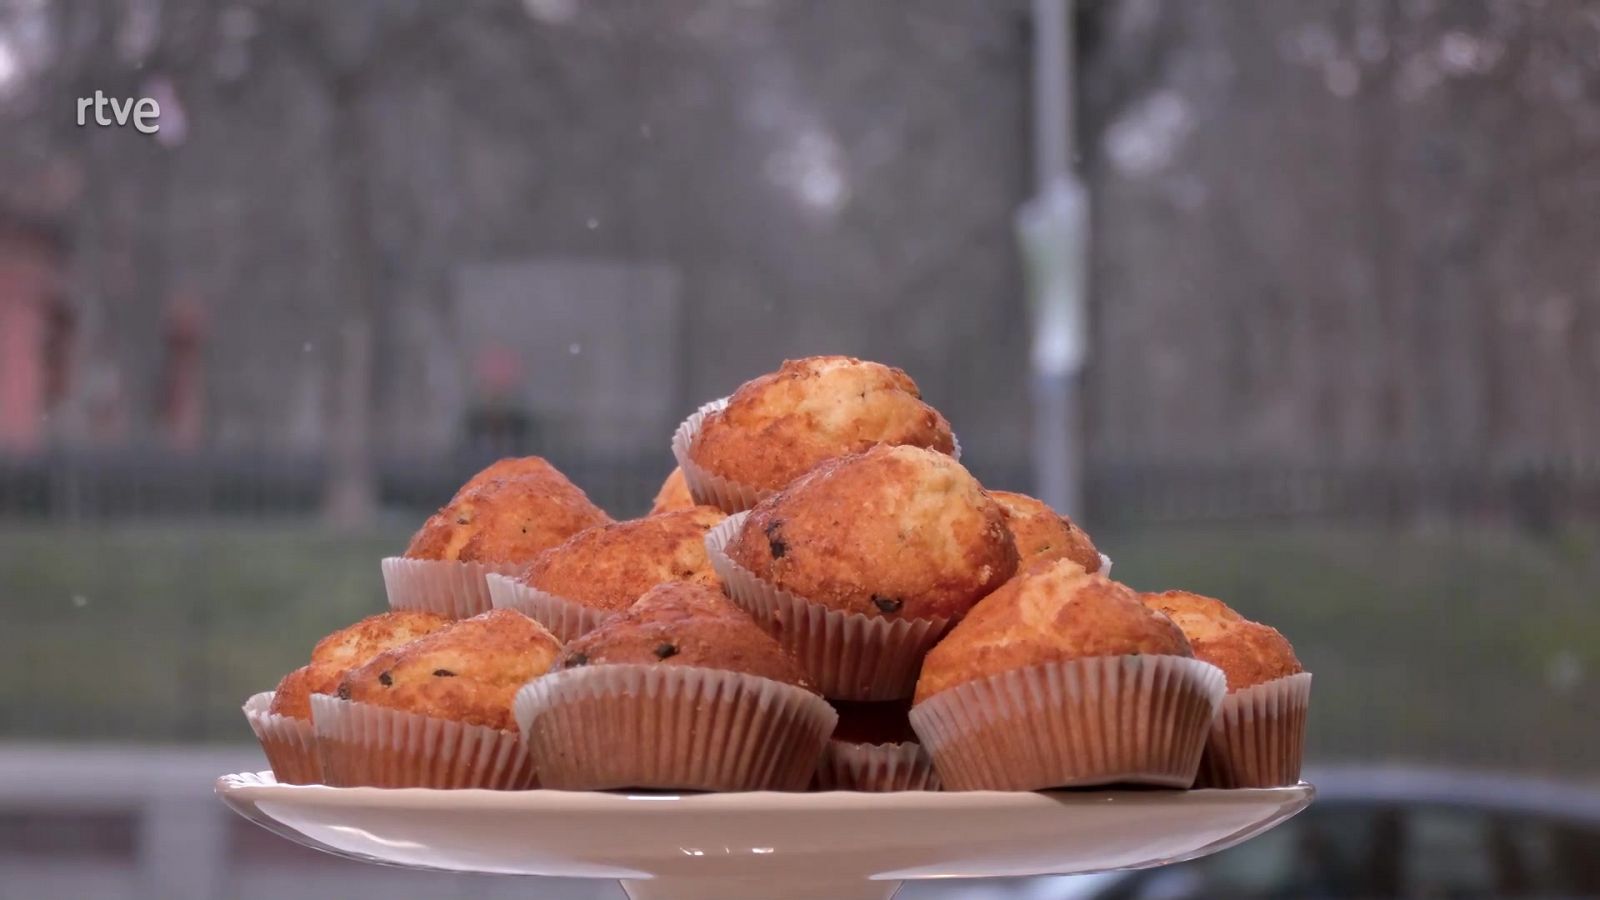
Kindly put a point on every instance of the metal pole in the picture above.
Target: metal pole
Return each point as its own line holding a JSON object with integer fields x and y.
{"x": 1052, "y": 91}
{"x": 1053, "y": 231}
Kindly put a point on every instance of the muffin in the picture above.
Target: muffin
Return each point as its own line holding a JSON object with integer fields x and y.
{"x": 281, "y": 719}
{"x": 873, "y": 748}
{"x": 1258, "y": 734}
{"x": 674, "y": 494}
{"x": 1041, "y": 533}
{"x": 596, "y": 573}
{"x": 860, "y": 564}
{"x": 498, "y": 521}
{"x": 726, "y": 708}
{"x": 1064, "y": 678}
{"x": 776, "y": 427}
{"x": 436, "y": 712}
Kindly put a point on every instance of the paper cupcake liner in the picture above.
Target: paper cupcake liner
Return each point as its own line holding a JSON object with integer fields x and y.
{"x": 711, "y": 489}
{"x": 1258, "y": 736}
{"x": 672, "y": 728}
{"x": 848, "y": 656}
{"x": 1103, "y": 720}
{"x": 363, "y": 745}
{"x": 1105, "y": 566}
{"x": 847, "y": 766}
{"x": 706, "y": 488}
{"x": 288, "y": 742}
{"x": 566, "y": 619}
{"x": 447, "y": 587}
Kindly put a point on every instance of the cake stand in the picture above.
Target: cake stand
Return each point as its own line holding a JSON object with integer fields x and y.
{"x": 834, "y": 845}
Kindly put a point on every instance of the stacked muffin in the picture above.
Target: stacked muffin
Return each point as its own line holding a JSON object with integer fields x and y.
{"x": 821, "y": 596}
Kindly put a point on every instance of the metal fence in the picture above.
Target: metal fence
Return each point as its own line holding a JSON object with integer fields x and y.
{"x": 77, "y": 486}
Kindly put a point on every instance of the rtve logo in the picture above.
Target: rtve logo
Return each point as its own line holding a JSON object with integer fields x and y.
{"x": 143, "y": 112}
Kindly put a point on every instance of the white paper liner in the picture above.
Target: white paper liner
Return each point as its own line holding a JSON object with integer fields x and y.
{"x": 670, "y": 727}
{"x": 711, "y": 489}
{"x": 1137, "y": 719}
{"x": 705, "y": 487}
{"x": 361, "y": 744}
{"x": 847, "y": 656}
{"x": 1258, "y": 735}
{"x": 848, "y": 766}
{"x": 567, "y": 619}
{"x": 1105, "y": 566}
{"x": 288, "y": 743}
{"x": 448, "y": 587}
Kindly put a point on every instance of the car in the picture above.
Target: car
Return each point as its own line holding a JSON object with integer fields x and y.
{"x": 1373, "y": 832}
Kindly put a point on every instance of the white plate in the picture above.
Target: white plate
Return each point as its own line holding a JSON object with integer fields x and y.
{"x": 836, "y": 845}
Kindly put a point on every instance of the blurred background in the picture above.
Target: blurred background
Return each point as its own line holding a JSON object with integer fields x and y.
{"x": 1296, "y": 304}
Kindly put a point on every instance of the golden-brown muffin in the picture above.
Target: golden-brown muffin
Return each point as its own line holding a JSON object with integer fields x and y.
{"x": 674, "y": 494}
{"x": 781, "y": 424}
{"x": 682, "y": 624}
{"x": 507, "y": 519}
{"x": 1042, "y": 533}
{"x": 896, "y": 531}
{"x": 1249, "y": 653}
{"x": 468, "y": 672}
{"x": 510, "y": 467}
{"x": 1053, "y": 612}
{"x": 611, "y": 566}
{"x": 345, "y": 649}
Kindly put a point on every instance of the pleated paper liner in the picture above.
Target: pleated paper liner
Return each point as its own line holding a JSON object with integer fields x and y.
{"x": 288, "y": 743}
{"x": 361, "y": 744}
{"x": 605, "y": 727}
{"x": 847, "y": 656}
{"x": 1258, "y": 736}
{"x": 711, "y": 489}
{"x": 1105, "y": 566}
{"x": 847, "y": 766}
{"x": 1096, "y": 721}
{"x": 705, "y": 487}
{"x": 448, "y": 587}
{"x": 566, "y": 619}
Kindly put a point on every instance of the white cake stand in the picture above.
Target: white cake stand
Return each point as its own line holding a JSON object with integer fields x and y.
{"x": 836, "y": 845}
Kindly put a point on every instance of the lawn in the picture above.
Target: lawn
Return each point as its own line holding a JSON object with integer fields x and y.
{"x": 1477, "y": 648}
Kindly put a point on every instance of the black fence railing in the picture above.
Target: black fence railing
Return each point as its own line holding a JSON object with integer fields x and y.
{"x": 1535, "y": 497}
{"x": 132, "y": 484}
{"x": 129, "y": 484}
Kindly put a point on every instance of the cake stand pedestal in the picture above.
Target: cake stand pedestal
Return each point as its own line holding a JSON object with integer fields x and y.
{"x": 836, "y": 845}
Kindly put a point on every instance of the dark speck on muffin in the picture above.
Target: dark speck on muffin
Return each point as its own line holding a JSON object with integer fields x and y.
{"x": 384, "y": 679}
{"x": 443, "y": 673}
{"x": 665, "y": 650}
{"x": 343, "y": 692}
{"x": 887, "y": 604}
{"x": 774, "y": 542}
{"x": 576, "y": 660}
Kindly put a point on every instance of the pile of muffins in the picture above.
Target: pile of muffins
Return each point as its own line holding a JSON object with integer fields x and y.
{"x": 821, "y": 598}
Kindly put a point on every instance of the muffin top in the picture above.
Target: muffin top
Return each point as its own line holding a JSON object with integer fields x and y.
{"x": 345, "y": 649}
{"x": 1053, "y": 612}
{"x": 683, "y": 624}
{"x": 510, "y": 467}
{"x": 887, "y": 722}
{"x": 779, "y": 425}
{"x": 467, "y": 672}
{"x": 507, "y": 518}
{"x": 896, "y": 531}
{"x": 674, "y": 494}
{"x": 1249, "y": 653}
{"x": 610, "y": 566}
{"x": 1042, "y": 533}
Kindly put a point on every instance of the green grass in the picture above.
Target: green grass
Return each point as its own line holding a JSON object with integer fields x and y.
{"x": 1472, "y": 649}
